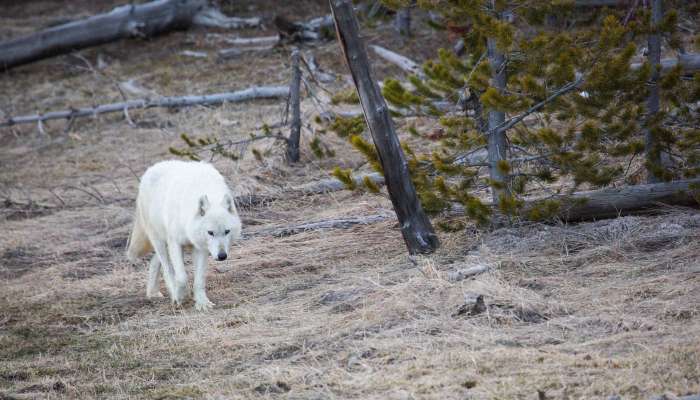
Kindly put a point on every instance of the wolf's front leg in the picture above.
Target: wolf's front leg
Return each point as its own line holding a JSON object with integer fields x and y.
{"x": 180, "y": 284}
{"x": 152, "y": 287}
{"x": 201, "y": 300}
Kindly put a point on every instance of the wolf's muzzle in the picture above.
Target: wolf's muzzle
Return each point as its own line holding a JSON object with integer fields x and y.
{"x": 221, "y": 256}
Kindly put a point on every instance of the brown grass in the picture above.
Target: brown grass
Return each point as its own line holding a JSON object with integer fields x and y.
{"x": 583, "y": 311}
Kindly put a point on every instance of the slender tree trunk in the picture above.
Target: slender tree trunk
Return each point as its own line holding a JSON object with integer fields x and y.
{"x": 497, "y": 141}
{"x": 294, "y": 104}
{"x": 651, "y": 147}
{"x": 418, "y": 233}
{"x": 402, "y": 21}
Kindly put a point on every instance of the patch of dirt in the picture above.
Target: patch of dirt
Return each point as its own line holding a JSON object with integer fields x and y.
{"x": 20, "y": 260}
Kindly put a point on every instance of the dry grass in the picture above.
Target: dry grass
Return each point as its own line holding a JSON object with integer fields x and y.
{"x": 582, "y": 311}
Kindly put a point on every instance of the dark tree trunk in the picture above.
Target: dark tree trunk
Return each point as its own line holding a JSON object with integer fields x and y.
{"x": 497, "y": 141}
{"x": 652, "y": 149}
{"x": 415, "y": 226}
{"x": 295, "y": 108}
{"x": 402, "y": 21}
{"x": 141, "y": 20}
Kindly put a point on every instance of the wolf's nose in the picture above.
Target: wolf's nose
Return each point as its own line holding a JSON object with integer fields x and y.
{"x": 221, "y": 256}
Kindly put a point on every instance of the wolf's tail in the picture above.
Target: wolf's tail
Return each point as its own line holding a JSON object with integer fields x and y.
{"x": 138, "y": 243}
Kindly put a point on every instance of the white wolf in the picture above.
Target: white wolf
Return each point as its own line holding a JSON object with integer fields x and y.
{"x": 182, "y": 204}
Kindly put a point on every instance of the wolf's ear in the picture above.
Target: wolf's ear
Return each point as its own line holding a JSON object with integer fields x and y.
{"x": 229, "y": 204}
{"x": 203, "y": 205}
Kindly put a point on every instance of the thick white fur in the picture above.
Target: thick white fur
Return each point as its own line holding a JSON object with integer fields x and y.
{"x": 182, "y": 204}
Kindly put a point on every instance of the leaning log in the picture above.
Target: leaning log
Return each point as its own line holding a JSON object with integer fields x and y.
{"x": 256, "y": 92}
{"x": 415, "y": 226}
{"x": 143, "y": 20}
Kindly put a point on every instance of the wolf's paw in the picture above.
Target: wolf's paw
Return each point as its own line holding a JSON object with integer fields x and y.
{"x": 154, "y": 295}
{"x": 179, "y": 294}
{"x": 203, "y": 305}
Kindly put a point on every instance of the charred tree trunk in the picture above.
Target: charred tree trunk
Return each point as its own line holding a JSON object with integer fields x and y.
{"x": 497, "y": 141}
{"x": 652, "y": 149}
{"x": 295, "y": 108}
{"x": 415, "y": 227}
{"x": 141, "y": 20}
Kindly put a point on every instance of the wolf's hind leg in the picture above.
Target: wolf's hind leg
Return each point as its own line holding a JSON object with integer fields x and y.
{"x": 162, "y": 252}
{"x": 152, "y": 287}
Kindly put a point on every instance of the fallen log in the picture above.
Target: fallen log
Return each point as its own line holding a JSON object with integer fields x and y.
{"x": 400, "y": 61}
{"x": 315, "y": 29}
{"x": 416, "y": 229}
{"x": 614, "y": 202}
{"x": 213, "y": 18}
{"x": 315, "y": 71}
{"x": 256, "y": 92}
{"x": 142, "y": 20}
{"x": 689, "y": 62}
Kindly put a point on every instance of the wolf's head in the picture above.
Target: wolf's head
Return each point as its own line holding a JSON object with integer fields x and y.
{"x": 218, "y": 225}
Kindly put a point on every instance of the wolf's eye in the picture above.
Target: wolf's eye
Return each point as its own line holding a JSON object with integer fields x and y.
{"x": 227, "y": 231}
{"x": 211, "y": 233}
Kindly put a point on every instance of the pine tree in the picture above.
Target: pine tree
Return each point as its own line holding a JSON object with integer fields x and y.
{"x": 549, "y": 92}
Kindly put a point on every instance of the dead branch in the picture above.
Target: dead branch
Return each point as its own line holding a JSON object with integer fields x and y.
{"x": 213, "y": 18}
{"x": 400, "y": 61}
{"x": 463, "y": 274}
{"x": 315, "y": 71}
{"x": 256, "y": 92}
{"x": 254, "y": 41}
{"x": 234, "y": 52}
{"x": 194, "y": 54}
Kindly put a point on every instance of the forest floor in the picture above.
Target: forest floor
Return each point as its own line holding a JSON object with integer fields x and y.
{"x": 572, "y": 311}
